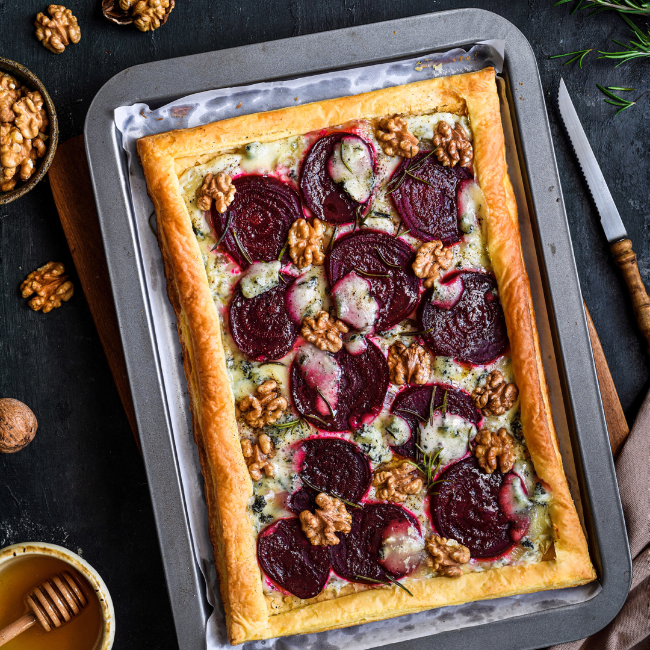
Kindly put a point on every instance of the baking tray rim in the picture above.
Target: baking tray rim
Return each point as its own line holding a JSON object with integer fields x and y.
{"x": 446, "y": 29}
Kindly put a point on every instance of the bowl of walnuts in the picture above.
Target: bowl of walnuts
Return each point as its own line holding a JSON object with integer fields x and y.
{"x": 29, "y": 130}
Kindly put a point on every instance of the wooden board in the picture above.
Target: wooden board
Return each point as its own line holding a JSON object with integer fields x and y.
{"x": 72, "y": 190}
{"x": 73, "y": 195}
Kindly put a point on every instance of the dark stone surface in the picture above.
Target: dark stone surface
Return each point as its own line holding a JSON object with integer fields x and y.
{"x": 81, "y": 482}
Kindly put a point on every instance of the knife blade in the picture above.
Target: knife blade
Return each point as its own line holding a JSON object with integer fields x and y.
{"x": 609, "y": 216}
{"x": 610, "y": 219}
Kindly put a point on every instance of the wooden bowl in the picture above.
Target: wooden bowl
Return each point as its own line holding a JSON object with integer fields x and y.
{"x": 33, "y": 83}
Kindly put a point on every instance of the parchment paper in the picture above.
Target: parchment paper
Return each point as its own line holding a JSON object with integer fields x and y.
{"x": 138, "y": 120}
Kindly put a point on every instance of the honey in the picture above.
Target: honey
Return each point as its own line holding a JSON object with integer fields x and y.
{"x": 17, "y": 578}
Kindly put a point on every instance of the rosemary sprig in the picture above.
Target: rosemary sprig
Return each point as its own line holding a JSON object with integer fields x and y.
{"x": 386, "y": 584}
{"x": 417, "y": 415}
{"x": 241, "y": 249}
{"x": 430, "y": 465}
{"x": 432, "y": 408}
{"x": 288, "y": 425}
{"x": 384, "y": 260}
{"x": 615, "y": 100}
{"x": 408, "y": 170}
{"x": 637, "y": 7}
{"x": 635, "y": 49}
{"x": 225, "y": 231}
{"x": 284, "y": 248}
{"x": 372, "y": 275}
{"x": 332, "y": 239}
{"x": 331, "y": 494}
{"x": 329, "y": 406}
{"x": 579, "y": 56}
{"x": 443, "y": 408}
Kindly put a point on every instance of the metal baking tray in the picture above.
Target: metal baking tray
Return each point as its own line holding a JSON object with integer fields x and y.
{"x": 568, "y": 347}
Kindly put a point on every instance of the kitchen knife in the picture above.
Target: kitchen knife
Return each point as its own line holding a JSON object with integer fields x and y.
{"x": 619, "y": 243}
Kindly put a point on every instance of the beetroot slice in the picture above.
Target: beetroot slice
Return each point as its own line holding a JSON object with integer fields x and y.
{"x": 362, "y": 388}
{"x": 417, "y": 399}
{"x": 430, "y": 209}
{"x": 337, "y": 467}
{"x": 261, "y": 327}
{"x": 261, "y": 215}
{"x": 397, "y": 294}
{"x": 467, "y": 509}
{"x": 290, "y": 560}
{"x": 358, "y": 552}
{"x": 474, "y": 328}
{"x": 327, "y": 200}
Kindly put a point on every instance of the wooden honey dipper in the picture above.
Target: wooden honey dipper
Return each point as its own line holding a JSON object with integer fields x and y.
{"x": 53, "y": 603}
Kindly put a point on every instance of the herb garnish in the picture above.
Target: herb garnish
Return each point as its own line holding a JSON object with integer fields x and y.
{"x": 316, "y": 418}
{"x": 372, "y": 275}
{"x": 332, "y": 239}
{"x": 329, "y": 406}
{"x": 432, "y": 408}
{"x": 331, "y": 494}
{"x": 408, "y": 170}
{"x": 241, "y": 250}
{"x": 284, "y": 248}
{"x": 386, "y": 584}
{"x": 417, "y": 415}
{"x": 416, "y": 333}
{"x": 430, "y": 466}
{"x": 385, "y": 261}
{"x": 288, "y": 425}
{"x": 225, "y": 230}
{"x": 579, "y": 55}
{"x": 615, "y": 100}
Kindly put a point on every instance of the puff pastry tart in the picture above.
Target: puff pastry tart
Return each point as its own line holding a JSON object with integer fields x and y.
{"x": 360, "y": 347}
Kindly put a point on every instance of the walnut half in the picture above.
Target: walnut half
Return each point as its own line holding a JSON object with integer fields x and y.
{"x": 446, "y": 555}
{"x": 151, "y": 14}
{"x": 305, "y": 243}
{"x": 57, "y": 30}
{"x": 398, "y": 482}
{"x": 331, "y": 516}
{"x": 497, "y": 396}
{"x": 265, "y": 407}
{"x": 408, "y": 365}
{"x": 218, "y": 187}
{"x": 50, "y": 286}
{"x": 258, "y": 456}
{"x": 495, "y": 447}
{"x": 395, "y": 138}
{"x": 324, "y": 332}
{"x": 430, "y": 258}
{"x": 453, "y": 147}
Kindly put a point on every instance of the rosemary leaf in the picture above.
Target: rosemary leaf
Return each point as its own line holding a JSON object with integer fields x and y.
{"x": 417, "y": 415}
{"x": 372, "y": 275}
{"x": 331, "y": 494}
{"x": 399, "y": 584}
{"x": 241, "y": 249}
{"x": 287, "y": 425}
{"x": 416, "y": 333}
{"x": 443, "y": 409}
{"x": 385, "y": 261}
{"x": 332, "y": 239}
{"x": 431, "y": 404}
{"x": 329, "y": 406}
{"x": 225, "y": 230}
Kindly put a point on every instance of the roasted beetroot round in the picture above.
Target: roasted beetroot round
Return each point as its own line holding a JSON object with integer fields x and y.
{"x": 261, "y": 327}
{"x": 358, "y": 555}
{"x": 429, "y": 208}
{"x": 413, "y": 404}
{"x": 385, "y": 262}
{"x": 290, "y": 560}
{"x": 259, "y": 219}
{"x": 473, "y": 329}
{"x": 361, "y": 388}
{"x": 335, "y": 466}
{"x": 466, "y": 508}
{"x": 327, "y": 200}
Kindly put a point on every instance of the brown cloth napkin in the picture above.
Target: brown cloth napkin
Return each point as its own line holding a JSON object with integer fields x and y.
{"x": 630, "y": 630}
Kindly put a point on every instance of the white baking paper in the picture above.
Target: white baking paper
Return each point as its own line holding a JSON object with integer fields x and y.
{"x": 138, "y": 120}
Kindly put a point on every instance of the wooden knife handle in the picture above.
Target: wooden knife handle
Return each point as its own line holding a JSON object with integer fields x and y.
{"x": 625, "y": 258}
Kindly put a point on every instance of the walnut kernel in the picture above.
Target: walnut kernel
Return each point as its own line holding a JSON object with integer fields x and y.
{"x": 324, "y": 332}
{"x": 494, "y": 447}
{"x": 218, "y": 187}
{"x": 497, "y": 396}
{"x": 17, "y": 425}
{"x": 31, "y": 117}
{"x": 330, "y": 517}
{"x": 151, "y": 14}
{"x": 59, "y": 30}
{"x": 408, "y": 365}
{"x": 9, "y": 94}
{"x": 257, "y": 456}
{"x": 395, "y": 139}
{"x": 430, "y": 258}
{"x": 446, "y": 555}
{"x": 15, "y": 152}
{"x": 398, "y": 482}
{"x": 265, "y": 407}
{"x": 50, "y": 286}
{"x": 305, "y": 243}
{"x": 453, "y": 147}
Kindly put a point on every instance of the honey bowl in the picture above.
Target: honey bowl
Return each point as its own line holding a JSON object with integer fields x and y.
{"x": 23, "y": 567}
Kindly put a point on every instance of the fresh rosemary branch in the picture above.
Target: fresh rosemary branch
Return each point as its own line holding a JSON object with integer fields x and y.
{"x": 331, "y": 494}
{"x": 387, "y": 584}
{"x": 615, "y": 100}
{"x": 637, "y": 7}
{"x": 635, "y": 49}
{"x": 579, "y": 56}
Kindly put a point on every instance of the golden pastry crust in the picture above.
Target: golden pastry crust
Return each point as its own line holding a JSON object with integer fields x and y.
{"x": 227, "y": 482}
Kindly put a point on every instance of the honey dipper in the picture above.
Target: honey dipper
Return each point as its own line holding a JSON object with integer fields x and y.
{"x": 53, "y": 603}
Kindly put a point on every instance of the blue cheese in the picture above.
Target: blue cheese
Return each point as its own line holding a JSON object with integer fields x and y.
{"x": 451, "y": 434}
{"x": 259, "y": 278}
{"x": 354, "y": 303}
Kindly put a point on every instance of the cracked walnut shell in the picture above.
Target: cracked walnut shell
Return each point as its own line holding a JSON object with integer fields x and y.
{"x": 57, "y": 30}
{"x": 257, "y": 456}
{"x": 324, "y": 332}
{"x": 305, "y": 243}
{"x": 50, "y": 286}
{"x": 494, "y": 447}
{"x": 395, "y": 138}
{"x": 331, "y": 516}
{"x": 446, "y": 555}
{"x": 398, "y": 482}
{"x": 17, "y": 425}
{"x": 452, "y": 145}
{"x": 430, "y": 258}
{"x": 265, "y": 407}
{"x": 497, "y": 396}
{"x": 218, "y": 187}
{"x": 408, "y": 365}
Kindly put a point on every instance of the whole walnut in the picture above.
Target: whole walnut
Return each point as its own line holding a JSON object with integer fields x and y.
{"x": 17, "y": 425}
